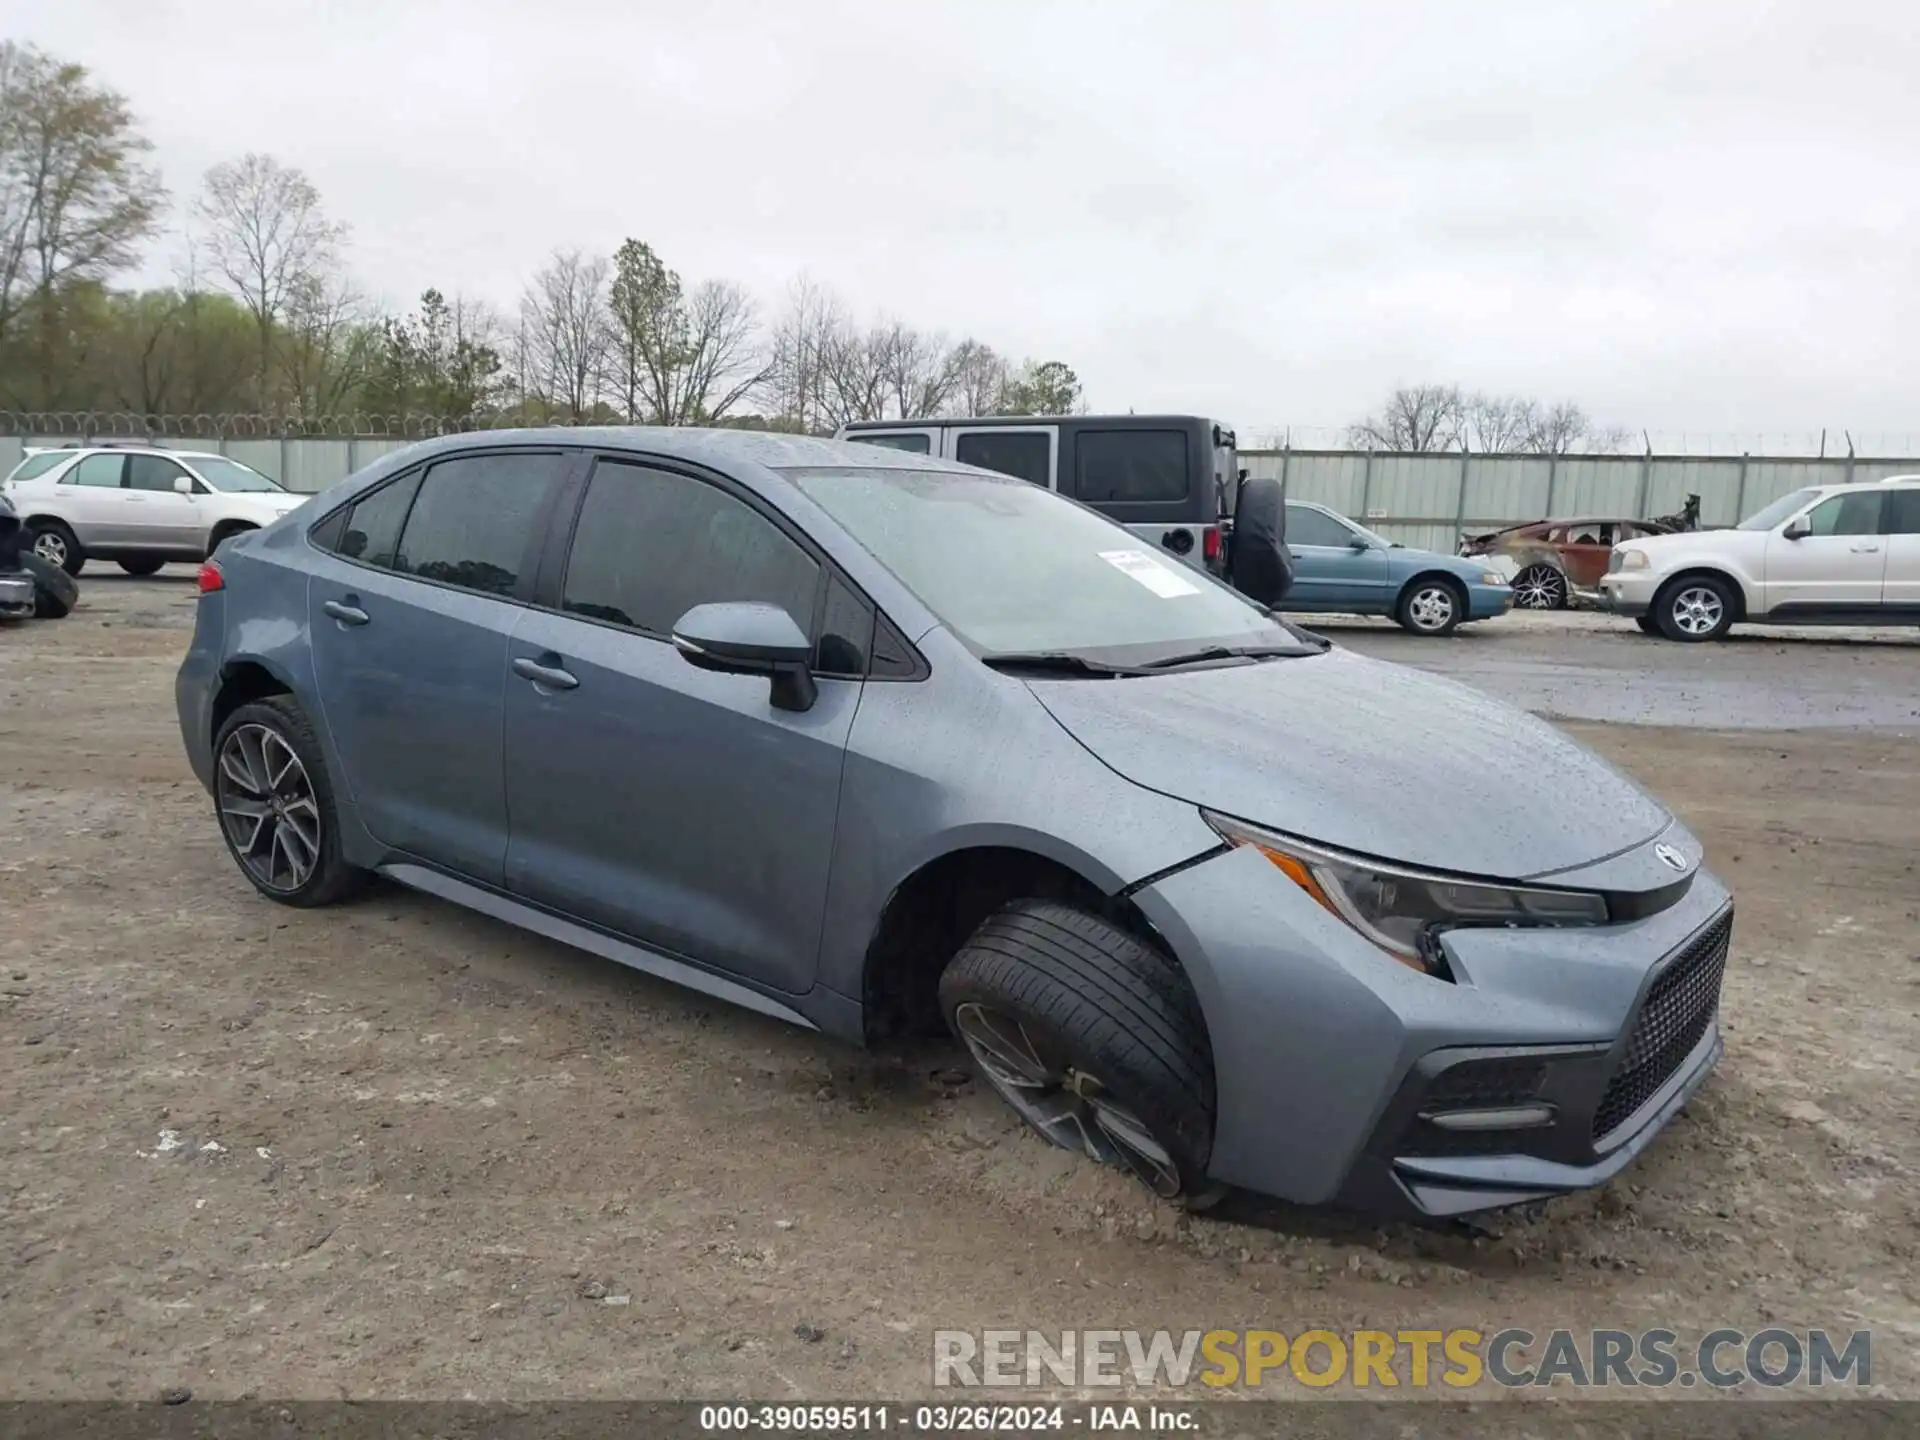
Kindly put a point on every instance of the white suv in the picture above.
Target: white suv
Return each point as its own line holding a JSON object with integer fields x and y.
{"x": 138, "y": 504}
{"x": 1825, "y": 555}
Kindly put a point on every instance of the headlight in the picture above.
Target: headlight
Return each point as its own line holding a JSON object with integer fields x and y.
{"x": 1401, "y": 909}
{"x": 1492, "y": 577}
{"x": 1631, "y": 560}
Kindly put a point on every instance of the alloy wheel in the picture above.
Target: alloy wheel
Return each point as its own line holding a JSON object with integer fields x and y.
{"x": 267, "y": 807}
{"x": 1431, "y": 608}
{"x": 1697, "y": 610}
{"x": 51, "y": 547}
{"x": 1069, "y": 1105}
{"x": 1540, "y": 587}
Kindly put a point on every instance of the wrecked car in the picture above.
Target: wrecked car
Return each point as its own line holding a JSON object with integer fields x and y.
{"x": 1552, "y": 563}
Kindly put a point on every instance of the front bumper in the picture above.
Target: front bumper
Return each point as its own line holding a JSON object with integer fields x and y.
{"x": 1485, "y": 602}
{"x": 1332, "y": 1064}
{"x": 1627, "y": 593}
{"x": 16, "y": 595}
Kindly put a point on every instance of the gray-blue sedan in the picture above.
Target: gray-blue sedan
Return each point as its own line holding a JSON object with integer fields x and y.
{"x": 1343, "y": 568}
{"x": 878, "y": 743}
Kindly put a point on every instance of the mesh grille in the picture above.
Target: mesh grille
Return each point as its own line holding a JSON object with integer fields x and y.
{"x": 1485, "y": 1084}
{"x": 1679, "y": 1006}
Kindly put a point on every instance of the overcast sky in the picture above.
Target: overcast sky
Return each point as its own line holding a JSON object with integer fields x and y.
{"x": 1686, "y": 216}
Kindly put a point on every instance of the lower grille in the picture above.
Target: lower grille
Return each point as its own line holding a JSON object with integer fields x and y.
{"x": 1484, "y": 1084}
{"x": 1679, "y": 1006}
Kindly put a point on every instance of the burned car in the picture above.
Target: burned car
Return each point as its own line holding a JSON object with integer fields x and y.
{"x": 1551, "y": 563}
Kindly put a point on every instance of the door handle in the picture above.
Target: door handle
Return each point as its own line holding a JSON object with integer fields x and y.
{"x": 1873, "y": 549}
{"x": 550, "y": 676}
{"x": 346, "y": 614}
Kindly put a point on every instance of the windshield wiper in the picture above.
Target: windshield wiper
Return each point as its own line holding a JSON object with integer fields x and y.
{"x": 1056, "y": 662}
{"x": 1230, "y": 652}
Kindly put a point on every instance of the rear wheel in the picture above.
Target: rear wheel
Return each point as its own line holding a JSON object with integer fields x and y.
{"x": 274, "y": 801}
{"x": 1695, "y": 608}
{"x": 141, "y": 565}
{"x": 54, "y": 543}
{"x": 1648, "y": 625}
{"x": 1540, "y": 587}
{"x": 1093, "y": 1038}
{"x": 54, "y": 591}
{"x": 1431, "y": 606}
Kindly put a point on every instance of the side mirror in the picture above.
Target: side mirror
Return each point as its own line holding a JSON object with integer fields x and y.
{"x": 1798, "y": 528}
{"x": 182, "y": 485}
{"x": 739, "y": 637}
{"x": 1359, "y": 542}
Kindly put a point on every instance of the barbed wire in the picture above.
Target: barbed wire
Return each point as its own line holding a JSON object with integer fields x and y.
{"x": 355, "y": 425}
{"x": 416, "y": 425}
{"x": 1796, "y": 444}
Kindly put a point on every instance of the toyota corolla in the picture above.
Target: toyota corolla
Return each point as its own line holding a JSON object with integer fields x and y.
{"x": 877, "y": 743}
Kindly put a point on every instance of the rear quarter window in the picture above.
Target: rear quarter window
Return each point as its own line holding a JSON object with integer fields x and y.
{"x": 1130, "y": 466}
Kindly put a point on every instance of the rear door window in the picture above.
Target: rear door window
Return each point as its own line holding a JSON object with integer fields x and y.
{"x": 99, "y": 471}
{"x": 650, "y": 545}
{"x": 1306, "y": 526}
{"x": 1130, "y": 466}
{"x": 473, "y": 521}
{"x": 912, "y": 444}
{"x": 1023, "y": 454}
{"x": 1903, "y": 512}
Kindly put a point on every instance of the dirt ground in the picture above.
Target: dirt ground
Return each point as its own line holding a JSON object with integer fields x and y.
{"x": 398, "y": 1150}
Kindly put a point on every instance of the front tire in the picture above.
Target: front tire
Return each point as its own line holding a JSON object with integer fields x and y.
{"x": 1093, "y": 1038}
{"x": 226, "y": 532}
{"x": 142, "y": 565}
{"x": 275, "y": 806}
{"x": 1540, "y": 587}
{"x": 1695, "y": 608}
{"x": 54, "y": 543}
{"x": 1431, "y": 607}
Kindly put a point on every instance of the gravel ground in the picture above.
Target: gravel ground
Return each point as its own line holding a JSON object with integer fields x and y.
{"x": 398, "y": 1150}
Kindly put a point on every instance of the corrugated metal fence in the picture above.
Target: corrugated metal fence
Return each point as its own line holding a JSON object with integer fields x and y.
{"x": 1427, "y": 500}
{"x": 1419, "y": 500}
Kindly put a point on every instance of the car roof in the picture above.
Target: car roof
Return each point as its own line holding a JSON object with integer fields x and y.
{"x": 770, "y": 449}
{"x": 989, "y": 421}
{"x": 120, "y": 447}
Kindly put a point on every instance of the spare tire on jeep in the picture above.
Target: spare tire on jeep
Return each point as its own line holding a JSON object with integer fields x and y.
{"x": 55, "y": 592}
{"x": 1259, "y": 565}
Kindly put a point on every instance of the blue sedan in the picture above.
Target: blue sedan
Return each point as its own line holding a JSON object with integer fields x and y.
{"x": 1345, "y": 569}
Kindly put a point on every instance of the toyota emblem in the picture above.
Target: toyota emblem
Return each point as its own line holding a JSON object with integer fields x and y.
{"x": 1670, "y": 857}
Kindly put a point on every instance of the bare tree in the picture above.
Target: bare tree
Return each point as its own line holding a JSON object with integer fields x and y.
{"x": 1497, "y": 424}
{"x": 1415, "y": 419}
{"x": 723, "y": 362}
{"x": 267, "y": 235}
{"x": 1566, "y": 429}
{"x": 980, "y": 378}
{"x": 75, "y": 202}
{"x": 327, "y": 346}
{"x": 795, "y": 388}
{"x": 921, "y": 370}
{"x": 565, "y": 331}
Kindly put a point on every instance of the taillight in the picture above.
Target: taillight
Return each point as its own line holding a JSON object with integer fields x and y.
{"x": 210, "y": 578}
{"x": 1210, "y": 542}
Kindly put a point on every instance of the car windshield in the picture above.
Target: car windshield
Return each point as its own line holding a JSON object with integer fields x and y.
{"x": 1013, "y": 569}
{"x": 224, "y": 474}
{"x": 1776, "y": 512}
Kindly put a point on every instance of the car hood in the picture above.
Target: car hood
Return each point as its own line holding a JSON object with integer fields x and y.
{"x": 1377, "y": 759}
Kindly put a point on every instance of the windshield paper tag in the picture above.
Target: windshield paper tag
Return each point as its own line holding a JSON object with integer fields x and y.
{"x": 1163, "y": 580}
